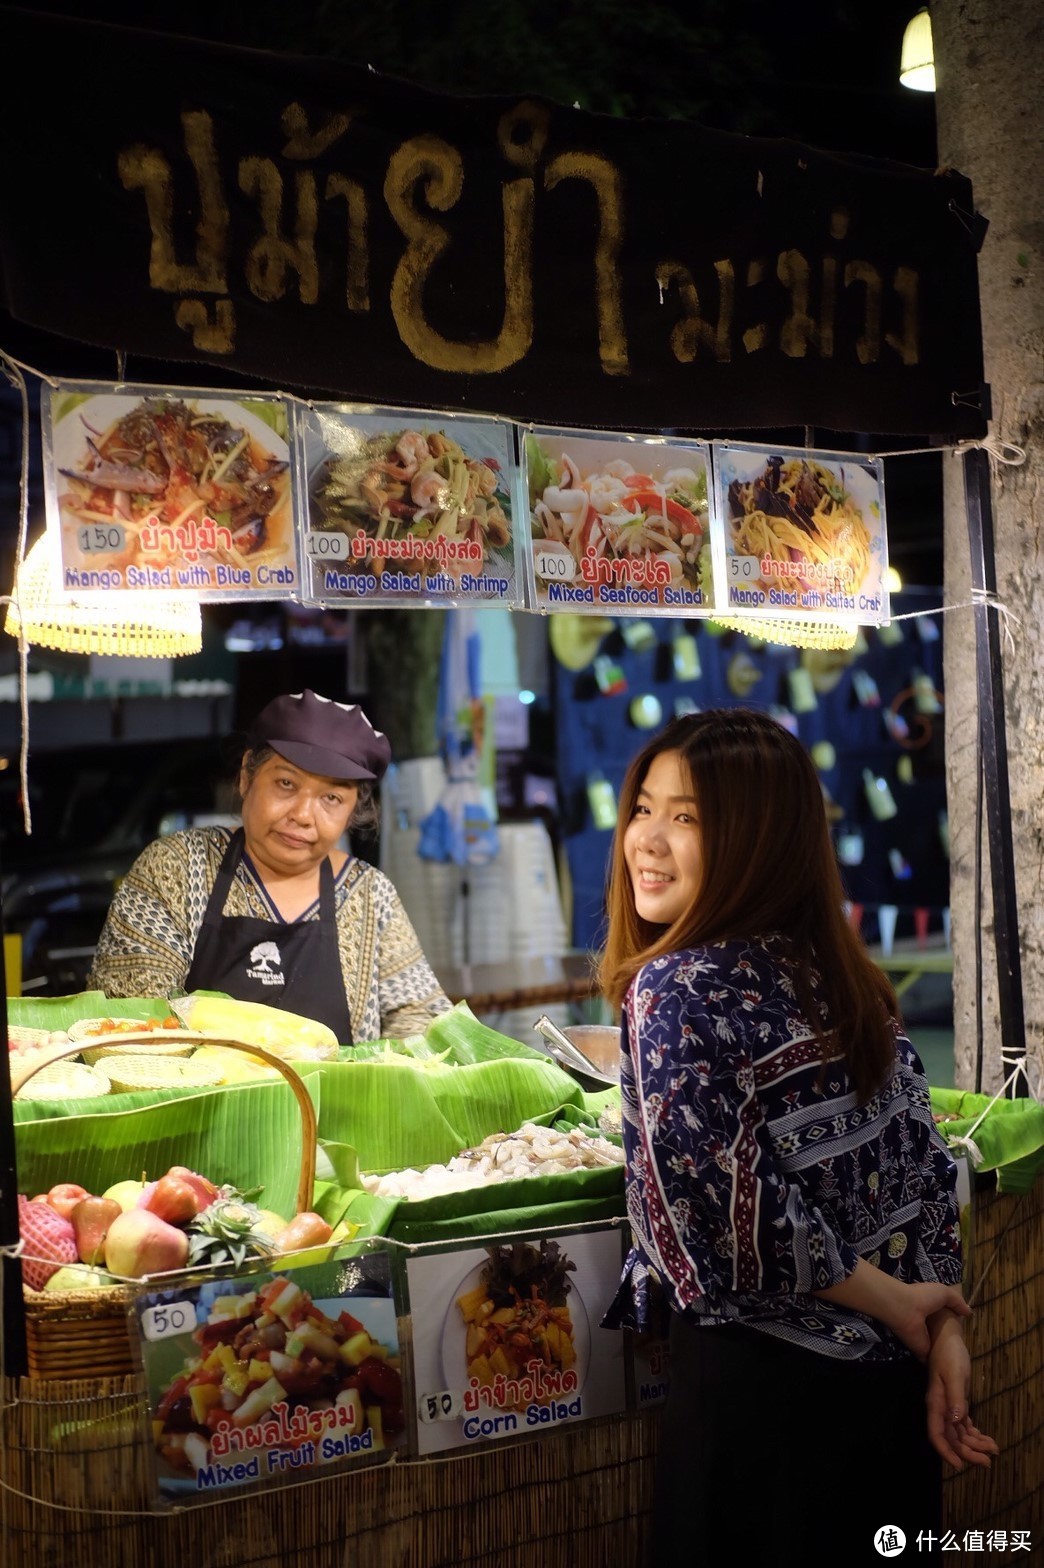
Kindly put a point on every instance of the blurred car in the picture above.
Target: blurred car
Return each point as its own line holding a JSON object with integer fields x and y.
{"x": 94, "y": 808}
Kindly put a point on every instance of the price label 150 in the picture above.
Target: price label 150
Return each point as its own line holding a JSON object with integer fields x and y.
{"x": 168, "y": 1319}
{"x": 322, "y": 546}
{"x": 101, "y": 538}
{"x": 554, "y": 565}
{"x": 745, "y": 568}
{"x": 444, "y": 1406}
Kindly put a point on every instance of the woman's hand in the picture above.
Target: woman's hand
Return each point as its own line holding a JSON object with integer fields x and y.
{"x": 950, "y": 1428}
{"x": 905, "y": 1309}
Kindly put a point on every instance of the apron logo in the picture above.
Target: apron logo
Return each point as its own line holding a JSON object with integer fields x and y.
{"x": 261, "y": 957}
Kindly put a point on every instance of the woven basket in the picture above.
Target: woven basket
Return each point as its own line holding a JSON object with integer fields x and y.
{"x": 159, "y": 1071}
{"x": 59, "y": 1080}
{"x": 85, "y": 1333}
{"x": 132, "y": 1047}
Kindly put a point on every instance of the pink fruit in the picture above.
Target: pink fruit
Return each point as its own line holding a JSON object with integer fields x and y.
{"x": 65, "y": 1196}
{"x": 140, "y": 1243}
{"x": 45, "y": 1235}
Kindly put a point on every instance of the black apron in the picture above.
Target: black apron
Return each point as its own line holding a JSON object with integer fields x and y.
{"x": 290, "y": 964}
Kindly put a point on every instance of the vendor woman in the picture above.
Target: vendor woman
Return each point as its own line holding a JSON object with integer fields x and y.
{"x": 276, "y": 911}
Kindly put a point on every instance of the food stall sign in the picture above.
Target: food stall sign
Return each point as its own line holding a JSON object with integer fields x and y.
{"x": 800, "y": 535}
{"x": 403, "y": 506}
{"x": 170, "y": 490}
{"x": 265, "y": 1376}
{"x": 507, "y": 1339}
{"x": 619, "y": 524}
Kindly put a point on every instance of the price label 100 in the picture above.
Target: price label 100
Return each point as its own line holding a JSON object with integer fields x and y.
{"x": 168, "y": 1319}
{"x": 323, "y": 546}
{"x": 101, "y": 538}
{"x": 747, "y": 568}
{"x": 555, "y": 565}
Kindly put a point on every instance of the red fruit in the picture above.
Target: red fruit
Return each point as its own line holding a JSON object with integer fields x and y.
{"x": 205, "y": 1190}
{"x": 172, "y": 1200}
{"x": 64, "y": 1198}
{"x": 45, "y": 1236}
{"x": 90, "y": 1221}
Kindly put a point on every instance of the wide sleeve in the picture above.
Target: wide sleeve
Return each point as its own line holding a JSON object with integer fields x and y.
{"x": 939, "y": 1253}
{"x": 145, "y": 948}
{"x": 409, "y": 995}
{"x": 722, "y": 1216}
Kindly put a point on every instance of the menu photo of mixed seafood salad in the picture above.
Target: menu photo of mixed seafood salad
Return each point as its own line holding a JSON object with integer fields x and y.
{"x": 406, "y": 504}
{"x": 265, "y": 1380}
{"x": 616, "y": 521}
{"x": 172, "y": 490}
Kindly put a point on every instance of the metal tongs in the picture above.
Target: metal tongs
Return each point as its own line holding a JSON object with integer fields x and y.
{"x": 562, "y": 1050}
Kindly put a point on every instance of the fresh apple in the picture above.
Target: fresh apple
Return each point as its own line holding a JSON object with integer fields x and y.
{"x": 173, "y": 1199}
{"x": 140, "y": 1243}
{"x": 205, "y": 1189}
{"x": 65, "y": 1196}
{"x": 91, "y": 1219}
{"x": 125, "y": 1193}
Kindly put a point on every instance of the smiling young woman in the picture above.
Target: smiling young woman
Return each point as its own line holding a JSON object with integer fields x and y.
{"x": 787, "y": 1191}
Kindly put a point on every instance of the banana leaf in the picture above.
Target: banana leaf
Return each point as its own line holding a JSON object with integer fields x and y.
{"x": 58, "y": 1012}
{"x": 388, "y": 1113}
{"x": 29, "y": 1110}
{"x": 246, "y": 1134}
{"x": 498, "y": 1096}
{"x": 534, "y": 1202}
{"x": 471, "y": 1041}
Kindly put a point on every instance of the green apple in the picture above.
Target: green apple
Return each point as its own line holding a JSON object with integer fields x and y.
{"x": 80, "y": 1279}
{"x": 125, "y": 1193}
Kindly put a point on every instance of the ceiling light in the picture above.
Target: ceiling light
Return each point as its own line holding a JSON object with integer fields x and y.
{"x": 139, "y": 625}
{"x": 917, "y": 63}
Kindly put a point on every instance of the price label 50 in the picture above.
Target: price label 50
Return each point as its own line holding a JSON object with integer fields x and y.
{"x": 746, "y": 568}
{"x": 444, "y": 1406}
{"x": 168, "y": 1319}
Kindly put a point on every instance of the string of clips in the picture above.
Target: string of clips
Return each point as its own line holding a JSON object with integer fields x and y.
{"x": 1002, "y": 454}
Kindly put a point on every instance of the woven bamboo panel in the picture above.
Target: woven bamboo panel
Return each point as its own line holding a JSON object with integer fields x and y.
{"x": 1006, "y": 1339}
{"x": 577, "y": 1498}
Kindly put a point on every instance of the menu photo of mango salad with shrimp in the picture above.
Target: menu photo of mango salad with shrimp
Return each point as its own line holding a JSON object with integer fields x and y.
{"x": 262, "y": 1377}
{"x": 404, "y": 504}
{"x": 804, "y": 531}
{"x": 617, "y": 523}
{"x": 171, "y": 489}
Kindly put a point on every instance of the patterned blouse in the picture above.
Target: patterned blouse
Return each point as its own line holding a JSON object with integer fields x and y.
{"x": 150, "y": 934}
{"x": 749, "y": 1183}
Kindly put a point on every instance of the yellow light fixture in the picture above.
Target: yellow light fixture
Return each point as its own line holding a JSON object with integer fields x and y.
{"x": 792, "y": 634}
{"x": 138, "y": 625}
{"x": 917, "y": 62}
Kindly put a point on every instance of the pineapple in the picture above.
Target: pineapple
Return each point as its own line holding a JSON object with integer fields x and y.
{"x": 227, "y": 1232}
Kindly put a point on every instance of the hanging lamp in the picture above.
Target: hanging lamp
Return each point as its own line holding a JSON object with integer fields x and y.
{"x": 135, "y": 625}
{"x": 917, "y": 61}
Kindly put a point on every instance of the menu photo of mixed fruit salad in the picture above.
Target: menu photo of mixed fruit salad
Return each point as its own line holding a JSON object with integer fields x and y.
{"x": 271, "y": 1375}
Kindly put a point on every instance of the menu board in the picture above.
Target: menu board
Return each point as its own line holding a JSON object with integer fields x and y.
{"x": 802, "y": 534}
{"x": 618, "y": 524}
{"x": 258, "y": 1379}
{"x": 408, "y": 507}
{"x": 169, "y": 489}
{"x": 506, "y": 1338}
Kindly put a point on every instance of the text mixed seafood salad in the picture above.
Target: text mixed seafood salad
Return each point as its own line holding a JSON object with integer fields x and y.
{"x": 612, "y": 522}
{"x": 413, "y": 497}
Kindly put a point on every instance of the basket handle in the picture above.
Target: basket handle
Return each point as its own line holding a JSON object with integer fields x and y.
{"x": 309, "y": 1125}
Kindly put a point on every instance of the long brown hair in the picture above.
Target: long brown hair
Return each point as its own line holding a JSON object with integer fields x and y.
{"x": 768, "y": 866}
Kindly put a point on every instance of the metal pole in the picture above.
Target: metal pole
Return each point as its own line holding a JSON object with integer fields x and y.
{"x": 994, "y": 753}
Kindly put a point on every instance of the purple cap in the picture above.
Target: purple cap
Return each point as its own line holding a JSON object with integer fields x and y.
{"x": 334, "y": 739}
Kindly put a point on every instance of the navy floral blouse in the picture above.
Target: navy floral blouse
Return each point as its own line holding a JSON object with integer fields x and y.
{"x": 754, "y": 1179}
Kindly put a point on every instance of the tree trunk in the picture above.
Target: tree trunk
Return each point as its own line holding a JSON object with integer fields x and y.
{"x": 402, "y": 659}
{"x": 989, "y": 67}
